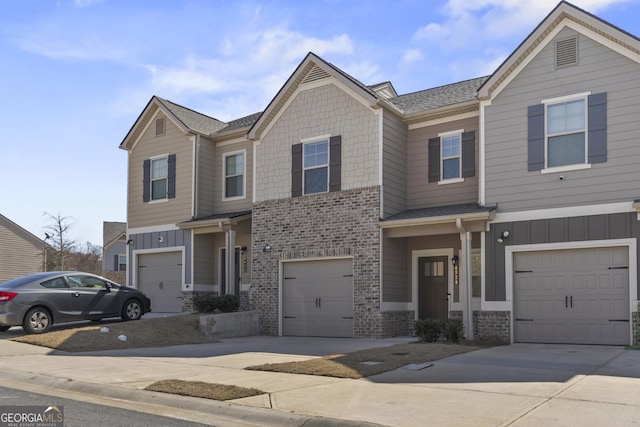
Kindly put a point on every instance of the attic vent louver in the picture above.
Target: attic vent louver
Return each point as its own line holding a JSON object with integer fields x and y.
{"x": 160, "y": 126}
{"x": 566, "y": 52}
{"x": 316, "y": 73}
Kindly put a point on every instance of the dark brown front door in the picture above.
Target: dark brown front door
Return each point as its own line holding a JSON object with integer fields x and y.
{"x": 432, "y": 287}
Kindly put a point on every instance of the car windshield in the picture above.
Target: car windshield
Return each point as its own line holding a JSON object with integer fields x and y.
{"x": 14, "y": 283}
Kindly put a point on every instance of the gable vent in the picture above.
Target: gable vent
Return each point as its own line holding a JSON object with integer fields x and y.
{"x": 160, "y": 126}
{"x": 566, "y": 52}
{"x": 316, "y": 73}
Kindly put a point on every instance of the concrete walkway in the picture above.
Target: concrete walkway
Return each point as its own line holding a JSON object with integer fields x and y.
{"x": 516, "y": 385}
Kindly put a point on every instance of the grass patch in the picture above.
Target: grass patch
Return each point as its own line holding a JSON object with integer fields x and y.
{"x": 154, "y": 332}
{"x": 632, "y": 347}
{"x": 203, "y": 390}
{"x": 378, "y": 360}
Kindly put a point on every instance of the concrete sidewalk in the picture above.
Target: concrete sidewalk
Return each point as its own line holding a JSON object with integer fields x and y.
{"x": 520, "y": 385}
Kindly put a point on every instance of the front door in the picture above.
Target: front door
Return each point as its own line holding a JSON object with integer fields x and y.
{"x": 432, "y": 287}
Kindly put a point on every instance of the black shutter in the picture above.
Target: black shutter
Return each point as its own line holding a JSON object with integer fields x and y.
{"x": 597, "y": 110}
{"x": 116, "y": 263}
{"x": 296, "y": 170}
{"x": 434, "y": 159}
{"x": 469, "y": 154}
{"x": 335, "y": 158}
{"x": 146, "y": 181}
{"x": 535, "y": 136}
{"x": 171, "y": 185}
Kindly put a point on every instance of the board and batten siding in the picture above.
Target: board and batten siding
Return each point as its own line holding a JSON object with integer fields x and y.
{"x": 324, "y": 110}
{"x": 396, "y": 285}
{"x": 175, "y": 210}
{"x": 394, "y": 165}
{"x": 555, "y": 230}
{"x": 20, "y": 254}
{"x": 510, "y": 185}
{"x": 421, "y": 192}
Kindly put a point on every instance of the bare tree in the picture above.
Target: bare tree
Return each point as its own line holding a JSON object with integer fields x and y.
{"x": 89, "y": 259}
{"x": 57, "y": 235}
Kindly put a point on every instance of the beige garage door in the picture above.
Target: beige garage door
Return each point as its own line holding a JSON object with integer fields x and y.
{"x": 578, "y": 296}
{"x": 160, "y": 278}
{"x": 317, "y": 298}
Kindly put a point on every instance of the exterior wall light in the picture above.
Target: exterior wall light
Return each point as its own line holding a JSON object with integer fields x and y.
{"x": 454, "y": 260}
{"x": 267, "y": 248}
{"x": 503, "y": 237}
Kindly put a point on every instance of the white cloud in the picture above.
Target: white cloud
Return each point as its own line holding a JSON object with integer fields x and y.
{"x": 411, "y": 55}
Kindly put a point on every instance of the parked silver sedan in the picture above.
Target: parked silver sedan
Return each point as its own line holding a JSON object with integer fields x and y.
{"x": 39, "y": 300}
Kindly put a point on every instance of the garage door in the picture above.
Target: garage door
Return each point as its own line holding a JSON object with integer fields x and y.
{"x": 578, "y": 296}
{"x": 317, "y": 298}
{"x": 160, "y": 278}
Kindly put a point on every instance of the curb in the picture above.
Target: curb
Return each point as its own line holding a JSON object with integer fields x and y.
{"x": 175, "y": 406}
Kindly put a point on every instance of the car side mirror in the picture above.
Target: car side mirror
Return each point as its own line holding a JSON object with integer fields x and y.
{"x": 108, "y": 287}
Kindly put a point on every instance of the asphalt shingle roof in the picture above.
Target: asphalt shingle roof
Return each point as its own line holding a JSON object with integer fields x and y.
{"x": 451, "y": 210}
{"x": 192, "y": 119}
{"x": 439, "y": 96}
{"x": 243, "y": 122}
{"x": 219, "y": 216}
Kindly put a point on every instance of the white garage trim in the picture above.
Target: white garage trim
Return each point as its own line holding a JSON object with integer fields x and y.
{"x": 631, "y": 244}
{"x": 281, "y": 279}
{"x": 136, "y": 252}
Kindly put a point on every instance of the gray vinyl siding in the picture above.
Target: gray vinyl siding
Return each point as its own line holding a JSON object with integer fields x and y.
{"x": 218, "y": 178}
{"x": 421, "y": 192}
{"x": 20, "y": 252}
{"x": 175, "y": 210}
{"x": 584, "y": 228}
{"x": 396, "y": 285}
{"x": 205, "y": 259}
{"x": 394, "y": 164}
{"x": 600, "y": 69}
{"x": 206, "y": 178}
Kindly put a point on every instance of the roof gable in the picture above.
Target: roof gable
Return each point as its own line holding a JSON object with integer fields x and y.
{"x": 19, "y": 231}
{"x": 187, "y": 120}
{"x": 311, "y": 69}
{"x": 564, "y": 15}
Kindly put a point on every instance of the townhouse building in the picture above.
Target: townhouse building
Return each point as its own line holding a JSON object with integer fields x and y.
{"x": 508, "y": 201}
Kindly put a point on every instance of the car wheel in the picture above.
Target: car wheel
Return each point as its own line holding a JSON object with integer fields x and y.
{"x": 132, "y": 310}
{"x": 4, "y": 328}
{"x": 37, "y": 321}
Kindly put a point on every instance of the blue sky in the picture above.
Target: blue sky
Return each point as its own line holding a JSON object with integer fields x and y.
{"x": 75, "y": 74}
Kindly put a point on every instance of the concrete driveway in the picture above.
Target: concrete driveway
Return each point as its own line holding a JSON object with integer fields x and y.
{"x": 516, "y": 385}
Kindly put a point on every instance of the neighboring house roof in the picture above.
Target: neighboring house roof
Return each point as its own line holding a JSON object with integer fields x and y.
{"x": 440, "y": 214}
{"x": 194, "y": 121}
{"x": 112, "y": 231}
{"x": 238, "y": 124}
{"x": 26, "y": 235}
{"x": 564, "y": 15}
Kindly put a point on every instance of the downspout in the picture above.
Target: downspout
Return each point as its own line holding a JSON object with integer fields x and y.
{"x": 195, "y": 179}
{"x": 465, "y": 240}
{"x": 230, "y": 243}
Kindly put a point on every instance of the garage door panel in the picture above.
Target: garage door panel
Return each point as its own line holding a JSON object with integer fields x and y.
{"x": 160, "y": 278}
{"x": 318, "y": 298}
{"x": 572, "y": 296}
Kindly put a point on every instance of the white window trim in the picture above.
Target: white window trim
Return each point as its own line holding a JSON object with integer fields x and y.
{"x": 166, "y": 198}
{"x": 244, "y": 175}
{"x": 459, "y": 179}
{"x": 312, "y": 140}
{"x": 575, "y": 166}
{"x": 125, "y": 262}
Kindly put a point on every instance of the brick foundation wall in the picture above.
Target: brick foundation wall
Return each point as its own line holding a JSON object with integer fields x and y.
{"x": 119, "y": 277}
{"x": 334, "y": 224}
{"x": 398, "y": 324}
{"x": 489, "y": 325}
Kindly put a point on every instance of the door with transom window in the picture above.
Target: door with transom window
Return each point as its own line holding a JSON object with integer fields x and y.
{"x": 432, "y": 287}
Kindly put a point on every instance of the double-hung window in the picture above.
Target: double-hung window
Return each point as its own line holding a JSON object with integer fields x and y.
{"x": 234, "y": 171}
{"x": 566, "y": 126}
{"x": 159, "y": 178}
{"x": 121, "y": 262}
{"x": 567, "y": 133}
{"x": 316, "y": 167}
{"x": 451, "y": 156}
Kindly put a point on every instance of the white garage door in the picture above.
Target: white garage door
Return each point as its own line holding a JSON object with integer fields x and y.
{"x": 317, "y": 298}
{"x": 160, "y": 278}
{"x": 578, "y": 296}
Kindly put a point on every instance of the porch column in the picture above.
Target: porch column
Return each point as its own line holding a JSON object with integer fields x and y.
{"x": 231, "y": 255}
{"x": 465, "y": 266}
